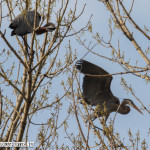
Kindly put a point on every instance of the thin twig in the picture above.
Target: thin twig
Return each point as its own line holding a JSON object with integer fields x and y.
{"x": 1, "y": 106}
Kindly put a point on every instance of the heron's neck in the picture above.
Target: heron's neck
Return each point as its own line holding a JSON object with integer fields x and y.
{"x": 123, "y": 109}
{"x": 41, "y": 30}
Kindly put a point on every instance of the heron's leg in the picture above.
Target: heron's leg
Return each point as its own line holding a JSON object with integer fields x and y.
{"x": 25, "y": 42}
{"x": 98, "y": 128}
{"x": 91, "y": 117}
{"x": 26, "y": 45}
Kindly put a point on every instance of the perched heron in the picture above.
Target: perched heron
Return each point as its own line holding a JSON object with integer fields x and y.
{"x": 97, "y": 92}
{"x": 24, "y": 23}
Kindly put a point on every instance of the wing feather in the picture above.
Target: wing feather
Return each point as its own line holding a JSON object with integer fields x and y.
{"x": 96, "y": 89}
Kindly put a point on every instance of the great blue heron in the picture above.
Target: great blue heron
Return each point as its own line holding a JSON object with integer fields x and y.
{"x": 96, "y": 91}
{"x": 24, "y": 23}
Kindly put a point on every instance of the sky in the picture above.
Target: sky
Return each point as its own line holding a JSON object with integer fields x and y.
{"x": 133, "y": 121}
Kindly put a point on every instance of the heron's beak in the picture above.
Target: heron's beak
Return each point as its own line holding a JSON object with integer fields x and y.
{"x": 50, "y": 28}
{"x": 135, "y": 107}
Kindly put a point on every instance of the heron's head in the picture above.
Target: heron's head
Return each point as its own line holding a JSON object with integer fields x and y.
{"x": 50, "y": 27}
{"x": 130, "y": 103}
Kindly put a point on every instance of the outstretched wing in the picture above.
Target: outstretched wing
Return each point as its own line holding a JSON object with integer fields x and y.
{"x": 96, "y": 89}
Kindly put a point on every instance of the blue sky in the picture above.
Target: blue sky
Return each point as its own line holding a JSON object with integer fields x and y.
{"x": 133, "y": 121}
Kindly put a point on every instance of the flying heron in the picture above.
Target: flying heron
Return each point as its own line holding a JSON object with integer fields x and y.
{"x": 24, "y": 23}
{"x": 97, "y": 92}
